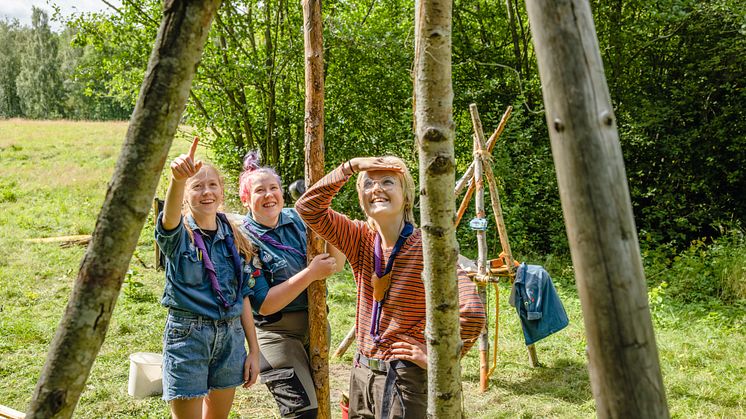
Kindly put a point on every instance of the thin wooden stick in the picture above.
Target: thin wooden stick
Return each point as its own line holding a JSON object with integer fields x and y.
{"x": 467, "y": 175}
{"x": 346, "y": 342}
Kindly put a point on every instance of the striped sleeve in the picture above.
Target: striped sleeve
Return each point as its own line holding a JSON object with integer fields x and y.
{"x": 314, "y": 207}
{"x": 471, "y": 312}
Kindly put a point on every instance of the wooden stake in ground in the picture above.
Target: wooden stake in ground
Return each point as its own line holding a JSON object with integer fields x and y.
{"x": 159, "y": 107}
{"x": 314, "y": 139}
{"x": 478, "y": 182}
{"x": 623, "y": 358}
{"x": 434, "y": 130}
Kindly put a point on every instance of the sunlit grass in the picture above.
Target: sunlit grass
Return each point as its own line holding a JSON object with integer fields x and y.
{"x": 53, "y": 179}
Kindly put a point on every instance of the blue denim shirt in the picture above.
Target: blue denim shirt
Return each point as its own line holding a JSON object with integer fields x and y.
{"x": 187, "y": 286}
{"x": 278, "y": 265}
{"x": 538, "y": 305}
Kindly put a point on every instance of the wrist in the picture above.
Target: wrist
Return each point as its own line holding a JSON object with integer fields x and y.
{"x": 348, "y": 168}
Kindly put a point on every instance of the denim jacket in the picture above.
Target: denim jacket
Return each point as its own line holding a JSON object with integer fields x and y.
{"x": 278, "y": 265}
{"x": 187, "y": 287}
{"x": 537, "y": 303}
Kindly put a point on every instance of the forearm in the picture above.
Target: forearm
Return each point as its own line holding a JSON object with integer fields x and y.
{"x": 314, "y": 207}
{"x": 247, "y": 321}
{"x": 319, "y": 196}
{"x": 338, "y": 256}
{"x": 172, "y": 205}
{"x": 282, "y": 294}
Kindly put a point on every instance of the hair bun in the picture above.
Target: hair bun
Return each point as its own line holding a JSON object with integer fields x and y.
{"x": 251, "y": 160}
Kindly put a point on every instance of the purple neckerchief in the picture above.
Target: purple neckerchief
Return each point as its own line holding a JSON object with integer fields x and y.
{"x": 380, "y": 272}
{"x": 210, "y": 268}
{"x": 266, "y": 238}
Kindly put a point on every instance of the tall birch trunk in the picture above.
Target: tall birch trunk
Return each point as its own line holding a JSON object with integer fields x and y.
{"x": 314, "y": 170}
{"x": 623, "y": 358}
{"x": 434, "y": 131}
{"x": 161, "y": 102}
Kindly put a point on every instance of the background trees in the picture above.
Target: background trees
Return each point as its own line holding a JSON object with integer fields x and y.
{"x": 674, "y": 67}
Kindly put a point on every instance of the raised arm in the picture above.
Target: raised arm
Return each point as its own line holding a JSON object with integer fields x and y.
{"x": 182, "y": 168}
{"x": 314, "y": 207}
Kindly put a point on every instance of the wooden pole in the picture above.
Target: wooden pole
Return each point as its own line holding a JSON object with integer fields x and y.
{"x": 623, "y": 358}
{"x": 499, "y": 220}
{"x": 468, "y": 174}
{"x": 160, "y": 105}
{"x": 314, "y": 170}
{"x": 484, "y": 338}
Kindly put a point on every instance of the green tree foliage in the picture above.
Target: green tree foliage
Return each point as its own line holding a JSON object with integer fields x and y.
{"x": 39, "y": 83}
{"x": 675, "y": 71}
{"x": 10, "y": 66}
{"x": 680, "y": 95}
{"x": 86, "y": 97}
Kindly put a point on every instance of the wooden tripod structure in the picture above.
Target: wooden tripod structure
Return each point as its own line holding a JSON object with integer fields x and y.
{"x": 480, "y": 168}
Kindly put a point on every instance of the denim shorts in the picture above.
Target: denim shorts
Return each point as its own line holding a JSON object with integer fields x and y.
{"x": 200, "y": 355}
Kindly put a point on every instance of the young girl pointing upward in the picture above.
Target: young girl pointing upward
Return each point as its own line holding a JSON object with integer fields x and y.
{"x": 206, "y": 292}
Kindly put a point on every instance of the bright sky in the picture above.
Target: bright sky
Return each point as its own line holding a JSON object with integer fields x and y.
{"x": 21, "y": 9}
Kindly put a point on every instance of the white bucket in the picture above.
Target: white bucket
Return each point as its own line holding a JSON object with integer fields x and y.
{"x": 145, "y": 375}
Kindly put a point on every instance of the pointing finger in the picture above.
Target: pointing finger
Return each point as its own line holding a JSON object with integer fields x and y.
{"x": 193, "y": 148}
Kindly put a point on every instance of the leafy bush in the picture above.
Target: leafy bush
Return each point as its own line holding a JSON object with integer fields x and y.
{"x": 706, "y": 270}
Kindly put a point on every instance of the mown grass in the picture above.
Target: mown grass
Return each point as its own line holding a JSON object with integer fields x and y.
{"x": 53, "y": 179}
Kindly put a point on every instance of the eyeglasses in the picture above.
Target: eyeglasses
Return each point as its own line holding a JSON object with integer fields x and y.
{"x": 386, "y": 183}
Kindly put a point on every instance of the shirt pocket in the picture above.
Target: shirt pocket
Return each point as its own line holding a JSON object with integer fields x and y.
{"x": 192, "y": 270}
{"x": 226, "y": 272}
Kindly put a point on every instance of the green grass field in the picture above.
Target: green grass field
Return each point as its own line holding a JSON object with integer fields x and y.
{"x": 53, "y": 178}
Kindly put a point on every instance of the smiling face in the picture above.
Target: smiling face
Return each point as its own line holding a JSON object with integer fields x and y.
{"x": 392, "y": 197}
{"x": 265, "y": 199}
{"x": 382, "y": 195}
{"x": 203, "y": 193}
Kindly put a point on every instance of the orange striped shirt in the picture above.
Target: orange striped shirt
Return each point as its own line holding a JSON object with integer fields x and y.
{"x": 403, "y": 310}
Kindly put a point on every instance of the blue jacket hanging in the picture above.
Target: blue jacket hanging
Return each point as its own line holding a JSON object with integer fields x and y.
{"x": 537, "y": 303}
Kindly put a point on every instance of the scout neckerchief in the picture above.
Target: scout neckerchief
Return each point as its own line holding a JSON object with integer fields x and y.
{"x": 381, "y": 278}
{"x": 210, "y": 268}
{"x": 266, "y": 238}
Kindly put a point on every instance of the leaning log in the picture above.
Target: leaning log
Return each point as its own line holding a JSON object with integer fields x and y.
{"x": 159, "y": 107}
{"x": 623, "y": 358}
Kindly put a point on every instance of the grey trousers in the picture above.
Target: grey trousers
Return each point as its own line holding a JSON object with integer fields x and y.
{"x": 285, "y": 367}
{"x": 367, "y": 387}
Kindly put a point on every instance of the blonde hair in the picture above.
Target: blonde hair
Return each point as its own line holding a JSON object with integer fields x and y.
{"x": 243, "y": 245}
{"x": 407, "y": 184}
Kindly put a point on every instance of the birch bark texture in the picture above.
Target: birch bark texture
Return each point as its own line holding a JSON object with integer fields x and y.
{"x": 163, "y": 95}
{"x": 434, "y": 131}
{"x": 623, "y": 357}
{"x": 314, "y": 170}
